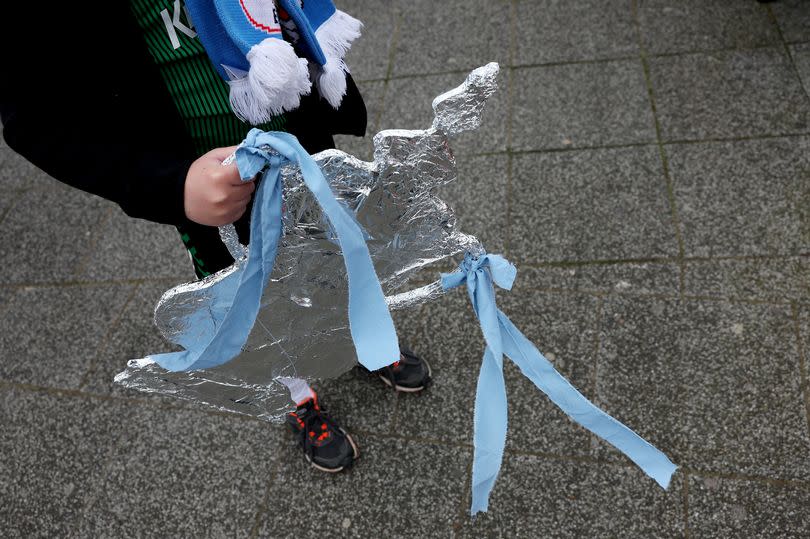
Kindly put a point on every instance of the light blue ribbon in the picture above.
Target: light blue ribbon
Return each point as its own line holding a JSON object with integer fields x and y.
{"x": 502, "y": 337}
{"x": 217, "y": 331}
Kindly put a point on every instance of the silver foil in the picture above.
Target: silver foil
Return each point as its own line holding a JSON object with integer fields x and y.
{"x": 302, "y": 326}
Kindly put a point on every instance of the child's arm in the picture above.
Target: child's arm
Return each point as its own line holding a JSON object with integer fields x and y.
{"x": 117, "y": 160}
{"x": 158, "y": 183}
{"x": 84, "y": 102}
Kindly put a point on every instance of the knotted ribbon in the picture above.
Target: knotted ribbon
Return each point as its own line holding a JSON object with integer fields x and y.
{"x": 218, "y": 330}
{"x": 502, "y": 337}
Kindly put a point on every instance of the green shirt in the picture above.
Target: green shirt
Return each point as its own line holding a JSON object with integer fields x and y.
{"x": 199, "y": 93}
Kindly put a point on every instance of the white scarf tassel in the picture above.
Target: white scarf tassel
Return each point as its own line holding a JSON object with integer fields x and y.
{"x": 278, "y": 77}
{"x": 332, "y": 81}
{"x": 335, "y": 37}
{"x": 337, "y": 33}
{"x": 274, "y": 84}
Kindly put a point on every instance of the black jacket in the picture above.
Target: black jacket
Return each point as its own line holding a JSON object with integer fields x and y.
{"x": 81, "y": 98}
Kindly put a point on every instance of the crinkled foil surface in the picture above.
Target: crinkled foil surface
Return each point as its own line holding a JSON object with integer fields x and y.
{"x": 302, "y": 326}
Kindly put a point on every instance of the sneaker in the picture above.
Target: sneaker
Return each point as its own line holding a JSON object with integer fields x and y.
{"x": 326, "y": 446}
{"x": 410, "y": 374}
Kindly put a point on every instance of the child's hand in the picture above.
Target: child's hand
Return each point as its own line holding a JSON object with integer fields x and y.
{"x": 215, "y": 195}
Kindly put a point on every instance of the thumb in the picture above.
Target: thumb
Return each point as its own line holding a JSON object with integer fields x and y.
{"x": 233, "y": 177}
{"x": 220, "y": 154}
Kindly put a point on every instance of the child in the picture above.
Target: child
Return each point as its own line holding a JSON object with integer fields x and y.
{"x": 125, "y": 104}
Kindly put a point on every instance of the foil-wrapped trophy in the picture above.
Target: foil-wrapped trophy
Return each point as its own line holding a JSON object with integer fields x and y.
{"x": 302, "y": 328}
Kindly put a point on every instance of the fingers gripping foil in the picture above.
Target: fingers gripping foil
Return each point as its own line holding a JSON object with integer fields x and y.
{"x": 302, "y": 328}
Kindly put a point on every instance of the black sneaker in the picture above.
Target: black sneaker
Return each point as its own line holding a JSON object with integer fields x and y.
{"x": 410, "y": 374}
{"x": 326, "y": 446}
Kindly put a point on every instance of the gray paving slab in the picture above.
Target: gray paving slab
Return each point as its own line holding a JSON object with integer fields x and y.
{"x": 436, "y": 37}
{"x": 728, "y": 94}
{"x": 794, "y": 19}
{"x": 485, "y": 218}
{"x": 590, "y": 205}
{"x": 803, "y": 315}
{"x": 801, "y": 58}
{"x": 549, "y": 31}
{"x": 181, "y": 473}
{"x": 127, "y": 248}
{"x": 7, "y": 199}
{"x": 720, "y": 507}
{"x": 52, "y": 334}
{"x": 581, "y": 105}
{"x": 408, "y": 106}
{"x": 46, "y": 235}
{"x": 446, "y": 333}
{"x": 669, "y": 26}
{"x": 370, "y": 55}
{"x": 536, "y": 497}
{"x": 625, "y": 278}
{"x": 133, "y": 336}
{"x": 16, "y": 172}
{"x": 5, "y": 296}
{"x": 392, "y": 491}
{"x": 742, "y": 198}
{"x": 563, "y": 328}
{"x": 715, "y": 385}
{"x": 52, "y": 447}
{"x": 363, "y": 147}
{"x": 777, "y": 279}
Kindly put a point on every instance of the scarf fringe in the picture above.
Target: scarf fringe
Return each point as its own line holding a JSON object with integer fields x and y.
{"x": 335, "y": 37}
{"x": 275, "y": 82}
{"x": 336, "y": 34}
{"x": 332, "y": 81}
{"x": 245, "y": 105}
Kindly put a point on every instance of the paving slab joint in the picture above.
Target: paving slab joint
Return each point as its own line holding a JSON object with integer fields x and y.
{"x": 662, "y": 151}
{"x": 102, "y": 346}
{"x": 262, "y": 510}
{"x": 786, "y": 46}
{"x": 95, "y": 239}
{"x": 805, "y": 381}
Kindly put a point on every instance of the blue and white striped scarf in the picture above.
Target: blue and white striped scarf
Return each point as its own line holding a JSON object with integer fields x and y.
{"x": 245, "y": 40}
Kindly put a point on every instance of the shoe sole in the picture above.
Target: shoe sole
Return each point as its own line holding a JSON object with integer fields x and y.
{"x": 404, "y": 389}
{"x": 336, "y": 470}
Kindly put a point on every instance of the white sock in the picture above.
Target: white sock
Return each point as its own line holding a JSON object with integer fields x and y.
{"x": 299, "y": 388}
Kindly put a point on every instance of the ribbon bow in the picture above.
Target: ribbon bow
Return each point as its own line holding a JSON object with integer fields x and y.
{"x": 217, "y": 331}
{"x": 502, "y": 337}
